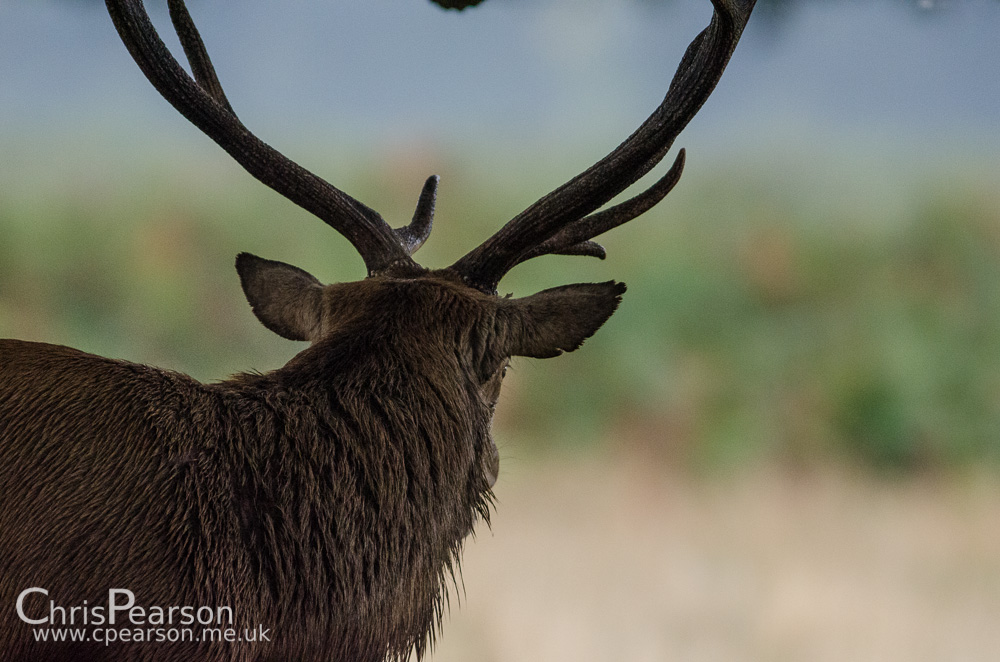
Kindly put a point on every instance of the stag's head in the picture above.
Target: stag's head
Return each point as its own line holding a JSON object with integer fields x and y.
{"x": 451, "y": 316}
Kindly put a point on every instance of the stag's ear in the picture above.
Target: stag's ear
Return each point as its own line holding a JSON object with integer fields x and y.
{"x": 285, "y": 299}
{"x": 557, "y": 320}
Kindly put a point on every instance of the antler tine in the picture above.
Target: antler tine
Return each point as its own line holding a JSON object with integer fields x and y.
{"x": 573, "y": 238}
{"x": 413, "y": 236}
{"x": 204, "y": 104}
{"x": 559, "y": 222}
{"x": 197, "y": 55}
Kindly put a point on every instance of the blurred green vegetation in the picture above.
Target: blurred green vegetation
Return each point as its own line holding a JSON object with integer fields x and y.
{"x": 767, "y": 318}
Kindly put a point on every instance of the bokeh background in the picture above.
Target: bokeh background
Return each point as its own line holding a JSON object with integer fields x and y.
{"x": 785, "y": 445}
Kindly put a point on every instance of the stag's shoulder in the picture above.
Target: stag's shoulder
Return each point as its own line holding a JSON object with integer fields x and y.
{"x": 23, "y": 353}
{"x": 23, "y": 357}
{"x": 34, "y": 369}
{"x": 54, "y": 399}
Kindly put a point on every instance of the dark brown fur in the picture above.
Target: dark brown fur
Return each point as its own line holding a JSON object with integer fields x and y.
{"x": 326, "y": 500}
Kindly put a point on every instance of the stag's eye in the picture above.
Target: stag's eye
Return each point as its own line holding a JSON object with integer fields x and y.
{"x": 491, "y": 387}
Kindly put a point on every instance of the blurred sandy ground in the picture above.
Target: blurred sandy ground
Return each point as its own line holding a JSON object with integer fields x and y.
{"x": 616, "y": 558}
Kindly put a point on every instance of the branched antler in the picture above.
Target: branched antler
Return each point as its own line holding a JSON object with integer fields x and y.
{"x": 563, "y": 221}
{"x": 202, "y": 101}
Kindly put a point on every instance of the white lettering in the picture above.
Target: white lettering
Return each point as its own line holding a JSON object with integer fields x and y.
{"x": 156, "y": 615}
{"x": 20, "y": 606}
{"x": 113, "y": 606}
{"x": 209, "y": 618}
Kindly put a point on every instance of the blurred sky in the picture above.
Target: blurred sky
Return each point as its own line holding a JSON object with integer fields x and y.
{"x": 378, "y": 71}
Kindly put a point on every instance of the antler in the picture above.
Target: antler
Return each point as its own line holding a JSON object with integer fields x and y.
{"x": 563, "y": 221}
{"x": 202, "y": 101}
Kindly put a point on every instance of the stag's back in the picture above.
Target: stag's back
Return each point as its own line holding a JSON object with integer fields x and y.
{"x": 100, "y": 484}
{"x": 338, "y": 503}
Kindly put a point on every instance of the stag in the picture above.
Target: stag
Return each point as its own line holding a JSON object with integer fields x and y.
{"x": 324, "y": 503}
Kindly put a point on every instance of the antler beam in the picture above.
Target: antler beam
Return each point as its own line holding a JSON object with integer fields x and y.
{"x": 202, "y": 101}
{"x": 563, "y": 221}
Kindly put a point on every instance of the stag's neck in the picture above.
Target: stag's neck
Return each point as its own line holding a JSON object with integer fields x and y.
{"x": 351, "y": 479}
